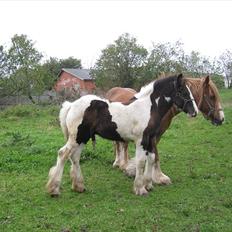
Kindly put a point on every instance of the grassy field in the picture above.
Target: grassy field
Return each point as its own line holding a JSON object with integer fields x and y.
{"x": 195, "y": 154}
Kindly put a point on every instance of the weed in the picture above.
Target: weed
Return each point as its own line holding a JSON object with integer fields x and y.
{"x": 17, "y": 138}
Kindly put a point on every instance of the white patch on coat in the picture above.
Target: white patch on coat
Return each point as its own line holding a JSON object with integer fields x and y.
{"x": 76, "y": 113}
{"x": 168, "y": 99}
{"x": 145, "y": 91}
{"x": 131, "y": 120}
{"x": 157, "y": 100}
{"x": 193, "y": 101}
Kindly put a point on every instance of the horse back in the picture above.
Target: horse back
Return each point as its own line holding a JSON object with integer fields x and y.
{"x": 118, "y": 94}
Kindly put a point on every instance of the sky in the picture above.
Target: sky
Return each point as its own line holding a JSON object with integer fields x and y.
{"x": 82, "y": 29}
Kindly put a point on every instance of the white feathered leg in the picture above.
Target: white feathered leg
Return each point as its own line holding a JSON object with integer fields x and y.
{"x": 75, "y": 171}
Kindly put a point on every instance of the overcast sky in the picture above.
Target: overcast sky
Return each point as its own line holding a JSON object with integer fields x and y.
{"x": 83, "y": 28}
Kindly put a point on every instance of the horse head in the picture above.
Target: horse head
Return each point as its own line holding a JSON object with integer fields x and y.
{"x": 183, "y": 98}
{"x": 209, "y": 103}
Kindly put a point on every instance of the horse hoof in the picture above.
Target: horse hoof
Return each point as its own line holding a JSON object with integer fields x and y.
{"x": 162, "y": 180}
{"x": 141, "y": 192}
{"x": 115, "y": 164}
{"x": 54, "y": 192}
{"x": 79, "y": 188}
{"x": 53, "y": 188}
{"x": 130, "y": 171}
{"x": 54, "y": 195}
{"x": 149, "y": 186}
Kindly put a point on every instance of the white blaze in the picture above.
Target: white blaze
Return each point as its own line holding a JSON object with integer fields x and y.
{"x": 221, "y": 113}
{"x": 193, "y": 101}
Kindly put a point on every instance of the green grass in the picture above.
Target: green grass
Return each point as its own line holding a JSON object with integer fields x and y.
{"x": 194, "y": 153}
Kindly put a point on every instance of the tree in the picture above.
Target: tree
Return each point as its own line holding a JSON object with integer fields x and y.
{"x": 171, "y": 58}
{"x": 120, "y": 63}
{"x": 225, "y": 62}
{"x": 22, "y": 61}
{"x": 70, "y": 62}
{"x": 197, "y": 65}
{"x": 165, "y": 58}
{"x": 3, "y": 64}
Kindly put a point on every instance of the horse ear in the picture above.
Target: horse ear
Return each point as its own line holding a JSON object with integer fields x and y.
{"x": 179, "y": 80}
{"x": 206, "y": 80}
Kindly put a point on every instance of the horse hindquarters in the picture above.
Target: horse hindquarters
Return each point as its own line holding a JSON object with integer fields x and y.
{"x": 70, "y": 150}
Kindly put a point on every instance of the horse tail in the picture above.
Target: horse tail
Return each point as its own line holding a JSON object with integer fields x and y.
{"x": 63, "y": 115}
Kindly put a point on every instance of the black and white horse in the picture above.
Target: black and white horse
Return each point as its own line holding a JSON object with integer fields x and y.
{"x": 139, "y": 121}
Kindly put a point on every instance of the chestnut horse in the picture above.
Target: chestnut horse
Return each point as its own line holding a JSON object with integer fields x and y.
{"x": 207, "y": 99}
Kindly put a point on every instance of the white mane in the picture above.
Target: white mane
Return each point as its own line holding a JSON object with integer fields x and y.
{"x": 145, "y": 91}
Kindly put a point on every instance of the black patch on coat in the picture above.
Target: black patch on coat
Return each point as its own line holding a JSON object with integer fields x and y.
{"x": 97, "y": 120}
{"x": 160, "y": 89}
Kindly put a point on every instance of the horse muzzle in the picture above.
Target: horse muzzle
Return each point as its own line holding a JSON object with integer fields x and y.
{"x": 217, "y": 122}
{"x": 194, "y": 114}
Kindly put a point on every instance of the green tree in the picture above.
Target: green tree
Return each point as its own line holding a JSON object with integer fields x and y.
{"x": 70, "y": 62}
{"x": 171, "y": 58}
{"x": 196, "y": 65}
{"x": 165, "y": 58}
{"x": 3, "y": 63}
{"x": 121, "y": 63}
{"x": 22, "y": 61}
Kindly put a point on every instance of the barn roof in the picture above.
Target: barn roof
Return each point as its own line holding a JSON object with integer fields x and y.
{"x": 83, "y": 74}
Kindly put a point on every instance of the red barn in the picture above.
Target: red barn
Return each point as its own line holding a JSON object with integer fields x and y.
{"x": 70, "y": 78}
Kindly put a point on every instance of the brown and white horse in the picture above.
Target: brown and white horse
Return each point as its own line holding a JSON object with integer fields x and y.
{"x": 207, "y": 98}
{"x": 137, "y": 121}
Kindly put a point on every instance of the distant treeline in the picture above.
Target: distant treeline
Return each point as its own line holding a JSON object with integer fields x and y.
{"x": 123, "y": 63}
{"x": 128, "y": 64}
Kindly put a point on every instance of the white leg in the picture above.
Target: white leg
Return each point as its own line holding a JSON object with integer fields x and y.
{"x": 158, "y": 177}
{"x": 75, "y": 171}
{"x": 56, "y": 172}
{"x": 148, "y": 171}
{"x": 139, "y": 187}
{"x": 130, "y": 168}
{"x": 117, "y": 154}
{"x": 121, "y": 154}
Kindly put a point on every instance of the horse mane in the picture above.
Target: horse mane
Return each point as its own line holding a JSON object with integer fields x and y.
{"x": 215, "y": 89}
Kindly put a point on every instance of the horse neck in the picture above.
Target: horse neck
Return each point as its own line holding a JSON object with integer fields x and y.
{"x": 166, "y": 121}
{"x": 162, "y": 109}
{"x": 145, "y": 91}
